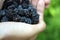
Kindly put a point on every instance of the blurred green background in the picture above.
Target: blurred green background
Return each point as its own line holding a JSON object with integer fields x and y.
{"x": 52, "y": 19}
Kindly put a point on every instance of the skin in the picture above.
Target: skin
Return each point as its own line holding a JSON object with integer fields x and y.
{"x": 23, "y": 31}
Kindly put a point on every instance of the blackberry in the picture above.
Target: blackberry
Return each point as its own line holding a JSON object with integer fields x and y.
{"x": 20, "y": 10}
{"x": 2, "y": 12}
{"x": 25, "y": 1}
{"x": 17, "y": 1}
{"x": 4, "y": 19}
{"x": 15, "y": 10}
{"x": 26, "y": 12}
{"x": 25, "y": 4}
{"x": 30, "y": 7}
{"x": 7, "y": 3}
{"x": 22, "y": 19}
{"x": 20, "y": 7}
{"x": 16, "y": 18}
{"x": 11, "y": 7}
{"x": 9, "y": 15}
{"x": 28, "y": 20}
{"x": 35, "y": 19}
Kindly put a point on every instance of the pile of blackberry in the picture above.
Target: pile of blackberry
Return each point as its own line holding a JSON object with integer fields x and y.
{"x": 19, "y": 11}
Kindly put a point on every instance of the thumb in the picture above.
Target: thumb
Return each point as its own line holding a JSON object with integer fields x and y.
{"x": 40, "y": 9}
{"x": 1, "y": 3}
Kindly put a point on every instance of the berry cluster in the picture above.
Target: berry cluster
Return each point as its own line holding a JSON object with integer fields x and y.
{"x": 18, "y": 11}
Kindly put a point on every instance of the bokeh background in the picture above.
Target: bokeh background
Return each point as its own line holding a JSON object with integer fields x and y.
{"x": 52, "y": 19}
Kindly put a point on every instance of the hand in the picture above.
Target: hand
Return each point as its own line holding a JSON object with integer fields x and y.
{"x": 24, "y": 31}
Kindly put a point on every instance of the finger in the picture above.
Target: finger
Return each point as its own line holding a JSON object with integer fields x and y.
{"x": 40, "y": 9}
{"x": 47, "y": 2}
{"x": 1, "y": 3}
{"x": 40, "y": 6}
{"x": 34, "y": 3}
{"x": 30, "y": 1}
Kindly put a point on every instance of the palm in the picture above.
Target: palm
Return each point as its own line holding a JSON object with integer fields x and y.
{"x": 24, "y": 30}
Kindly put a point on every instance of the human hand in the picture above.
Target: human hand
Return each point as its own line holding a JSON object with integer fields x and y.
{"x": 22, "y": 30}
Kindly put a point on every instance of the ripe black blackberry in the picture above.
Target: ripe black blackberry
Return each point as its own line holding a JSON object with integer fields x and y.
{"x": 16, "y": 18}
{"x": 25, "y": 4}
{"x": 2, "y": 14}
{"x": 26, "y": 12}
{"x": 28, "y": 20}
{"x": 10, "y": 2}
{"x": 19, "y": 11}
{"x": 22, "y": 19}
{"x": 4, "y": 19}
{"x": 35, "y": 19}
{"x": 6, "y": 4}
{"x": 25, "y": 20}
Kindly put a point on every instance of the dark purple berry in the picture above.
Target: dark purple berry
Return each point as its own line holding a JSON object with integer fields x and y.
{"x": 26, "y": 12}
{"x": 4, "y": 19}
{"x": 22, "y": 19}
{"x": 28, "y": 20}
{"x": 16, "y": 18}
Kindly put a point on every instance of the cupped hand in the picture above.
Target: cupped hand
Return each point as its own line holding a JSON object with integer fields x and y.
{"x": 22, "y": 30}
